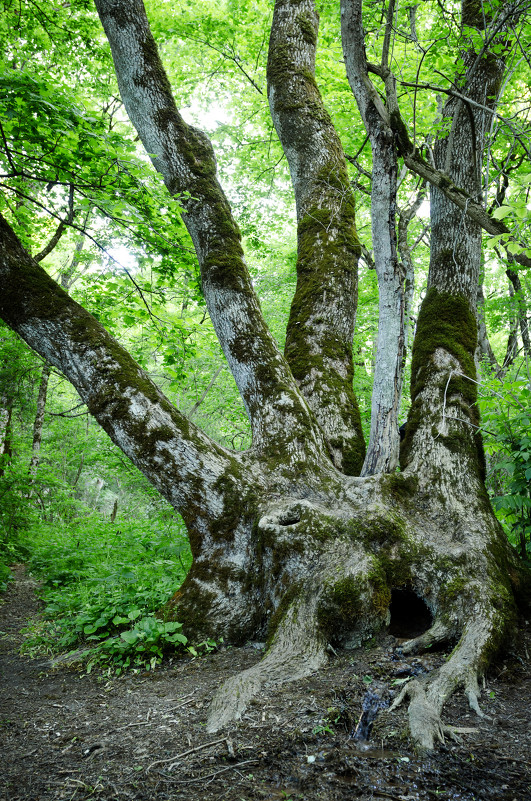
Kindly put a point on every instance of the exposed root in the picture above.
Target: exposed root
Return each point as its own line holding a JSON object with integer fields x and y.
{"x": 428, "y": 696}
{"x": 425, "y": 722}
{"x": 438, "y": 633}
{"x": 297, "y": 651}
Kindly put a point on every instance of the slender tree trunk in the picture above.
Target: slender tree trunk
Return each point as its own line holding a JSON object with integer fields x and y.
{"x": 38, "y": 423}
{"x": 521, "y": 306}
{"x": 6, "y": 412}
{"x": 382, "y": 452}
{"x": 484, "y": 347}
{"x": 200, "y": 400}
{"x": 405, "y": 250}
{"x": 321, "y": 324}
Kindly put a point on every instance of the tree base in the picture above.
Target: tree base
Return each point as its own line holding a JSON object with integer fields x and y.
{"x": 334, "y": 584}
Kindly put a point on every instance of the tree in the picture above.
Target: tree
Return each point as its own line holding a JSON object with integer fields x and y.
{"x": 286, "y": 537}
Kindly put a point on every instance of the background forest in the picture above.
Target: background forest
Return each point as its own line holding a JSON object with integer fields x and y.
{"x": 76, "y": 186}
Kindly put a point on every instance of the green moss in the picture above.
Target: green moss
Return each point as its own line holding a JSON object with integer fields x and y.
{"x": 353, "y": 456}
{"x": 445, "y": 321}
{"x": 339, "y": 607}
{"x": 381, "y": 591}
{"x": 474, "y": 13}
{"x": 328, "y": 250}
{"x": 214, "y": 572}
{"x": 191, "y": 606}
{"x": 400, "y": 487}
{"x": 452, "y": 590}
{"x": 153, "y": 73}
{"x": 328, "y": 247}
{"x": 28, "y": 291}
{"x": 379, "y": 533}
{"x": 308, "y": 27}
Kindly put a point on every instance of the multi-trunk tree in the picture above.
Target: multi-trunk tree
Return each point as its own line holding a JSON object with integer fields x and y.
{"x": 288, "y": 539}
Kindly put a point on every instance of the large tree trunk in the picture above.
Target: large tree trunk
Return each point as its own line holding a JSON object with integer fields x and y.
{"x": 284, "y": 543}
{"x": 321, "y": 324}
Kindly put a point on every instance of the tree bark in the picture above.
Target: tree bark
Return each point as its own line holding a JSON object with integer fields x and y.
{"x": 185, "y": 158}
{"x": 6, "y": 411}
{"x": 321, "y": 323}
{"x": 38, "y": 423}
{"x": 404, "y": 218}
{"x": 443, "y": 446}
{"x": 382, "y": 452}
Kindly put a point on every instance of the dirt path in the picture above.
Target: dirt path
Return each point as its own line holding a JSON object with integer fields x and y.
{"x": 66, "y": 735}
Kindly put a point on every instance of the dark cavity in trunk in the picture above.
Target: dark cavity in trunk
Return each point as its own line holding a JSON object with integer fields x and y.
{"x": 410, "y": 616}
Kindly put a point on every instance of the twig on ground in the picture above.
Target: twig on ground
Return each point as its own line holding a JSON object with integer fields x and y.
{"x": 175, "y": 708}
{"x": 141, "y": 723}
{"x": 176, "y": 757}
{"x": 212, "y": 776}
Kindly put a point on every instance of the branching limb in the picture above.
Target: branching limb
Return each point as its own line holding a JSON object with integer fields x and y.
{"x": 185, "y": 158}
{"x": 404, "y": 218}
{"x": 131, "y": 409}
{"x": 60, "y": 228}
{"x": 321, "y": 324}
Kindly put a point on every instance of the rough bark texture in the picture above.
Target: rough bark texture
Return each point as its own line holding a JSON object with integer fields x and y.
{"x": 284, "y": 544}
{"x": 6, "y": 411}
{"x": 185, "y": 158}
{"x": 408, "y": 268}
{"x": 321, "y": 324}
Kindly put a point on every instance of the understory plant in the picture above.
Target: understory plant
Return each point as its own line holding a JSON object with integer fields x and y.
{"x": 102, "y": 584}
{"x": 506, "y": 416}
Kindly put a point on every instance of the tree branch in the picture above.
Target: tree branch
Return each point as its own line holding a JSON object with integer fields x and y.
{"x": 321, "y": 324}
{"x": 382, "y": 452}
{"x": 460, "y": 197}
{"x": 126, "y": 403}
{"x": 60, "y": 228}
{"x": 185, "y": 158}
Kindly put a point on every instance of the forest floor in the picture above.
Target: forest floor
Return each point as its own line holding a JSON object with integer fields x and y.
{"x": 68, "y": 735}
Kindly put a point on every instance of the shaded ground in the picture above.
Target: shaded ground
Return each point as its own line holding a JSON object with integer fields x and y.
{"x": 66, "y": 735}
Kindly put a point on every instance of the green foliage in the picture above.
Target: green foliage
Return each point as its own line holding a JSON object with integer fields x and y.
{"x": 506, "y": 417}
{"x": 516, "y": 213}
{"x": 16, "y": 515}
{"x": 102, "y": 584}
{"x": 143, "y": 645}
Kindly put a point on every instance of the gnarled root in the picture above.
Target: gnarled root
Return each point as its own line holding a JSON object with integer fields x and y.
{"x": 438, "y": 633}
{"x": 428, "y": 696}
{"x": 297, "y": 651}
{"x": 425, "y": 722}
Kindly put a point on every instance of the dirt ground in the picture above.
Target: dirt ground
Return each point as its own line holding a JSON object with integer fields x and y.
{"x": 67, "y": 735}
